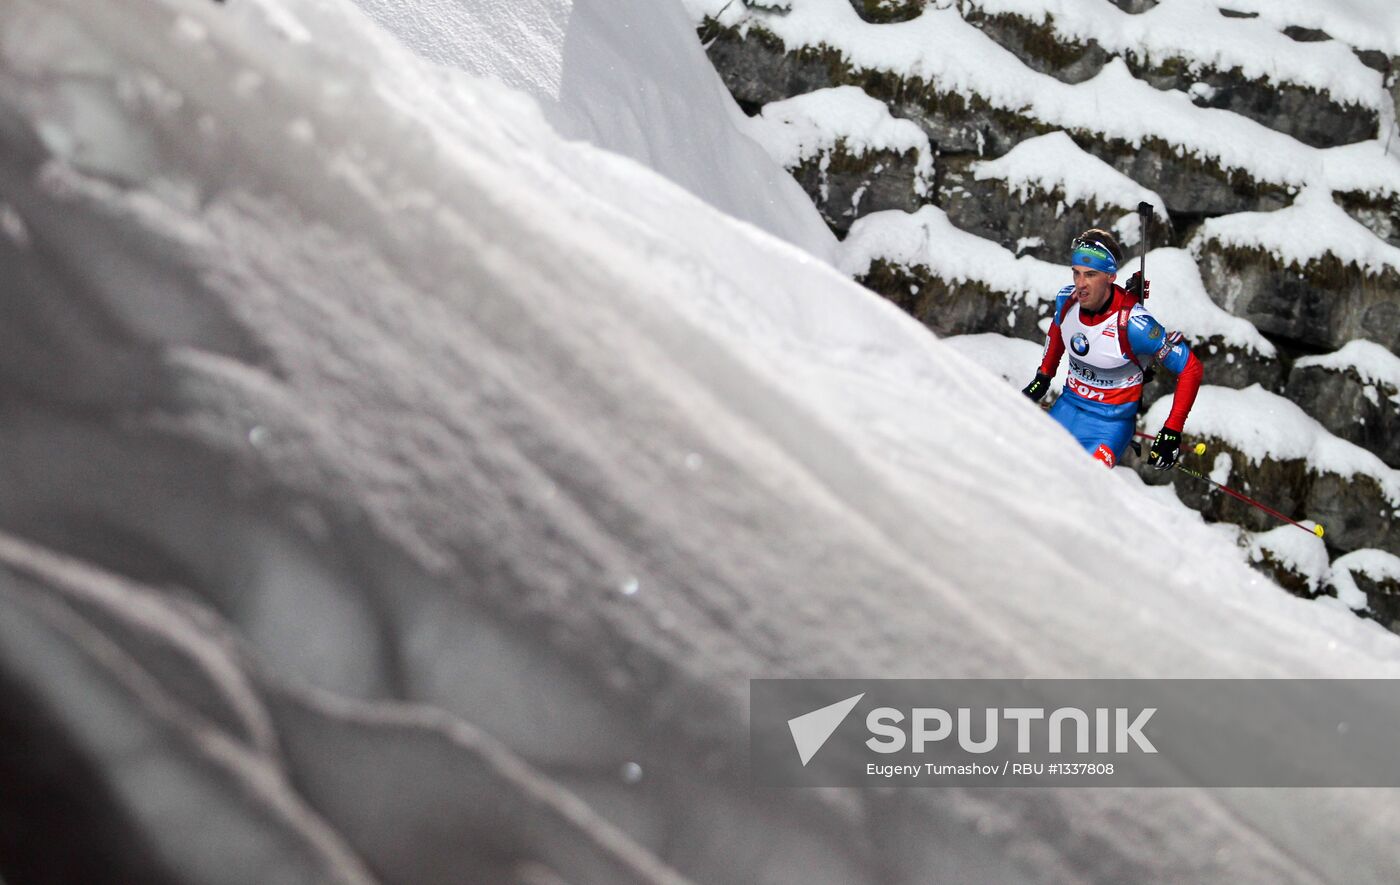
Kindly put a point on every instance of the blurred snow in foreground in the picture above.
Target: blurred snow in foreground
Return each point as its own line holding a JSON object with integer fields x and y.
{"x": 397, "y": 490}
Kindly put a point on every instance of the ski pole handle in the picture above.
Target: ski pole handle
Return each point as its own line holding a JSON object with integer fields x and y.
{"x": 1144, "y": 212}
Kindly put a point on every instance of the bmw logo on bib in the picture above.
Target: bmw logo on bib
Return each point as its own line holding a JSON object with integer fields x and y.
{"x": 1079, "y": 344}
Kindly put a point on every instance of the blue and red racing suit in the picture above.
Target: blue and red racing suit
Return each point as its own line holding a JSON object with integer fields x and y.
{"x": 1108, "y": 351}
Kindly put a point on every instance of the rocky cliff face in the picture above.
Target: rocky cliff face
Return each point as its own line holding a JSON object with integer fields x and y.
{"x": 1241, "y": 221}
{"x": 1316, "y": 306}
{"x": 1308, "y": 114}
{"x": 1362, "y": 410}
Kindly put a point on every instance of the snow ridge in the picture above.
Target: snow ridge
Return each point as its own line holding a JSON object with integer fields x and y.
{"x": 800, "y": 128}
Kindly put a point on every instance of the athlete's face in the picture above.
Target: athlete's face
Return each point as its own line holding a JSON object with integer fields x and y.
{"x": 1092, "y": 287}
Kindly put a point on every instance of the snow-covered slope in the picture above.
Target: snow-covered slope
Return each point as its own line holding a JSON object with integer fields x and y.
{"x": 462, "y": 476}
{"x": 627, "y": 75}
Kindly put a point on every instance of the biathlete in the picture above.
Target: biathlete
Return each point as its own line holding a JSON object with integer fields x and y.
{"x": 1112, "y": 341}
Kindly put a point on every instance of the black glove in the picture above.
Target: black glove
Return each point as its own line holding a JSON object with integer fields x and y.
{"x": 1036, "y": 390}
{"x": 1165, "y": 449}
{"x": 1137, "y": 286}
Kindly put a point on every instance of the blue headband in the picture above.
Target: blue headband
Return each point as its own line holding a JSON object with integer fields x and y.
{"x": 1094, "y": 256}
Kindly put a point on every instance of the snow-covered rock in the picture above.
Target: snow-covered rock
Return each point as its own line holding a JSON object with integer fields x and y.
{"x": 954, "y": 282}
{"x": 1040, "y": 195}
{"x": 1355, "y": 393}
{"x": 970, "y": 94}
{"x": 848, "y": 153}
{"x": 1320, "y": 93}
{"x": 1309, "y": 273}
{"x": 1369, "y": 580}
{"x": 1297, "y": 559}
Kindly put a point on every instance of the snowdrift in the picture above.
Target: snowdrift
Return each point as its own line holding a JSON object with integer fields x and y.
{"x": 400, "y": 491}
{"x": 627, "y": 75}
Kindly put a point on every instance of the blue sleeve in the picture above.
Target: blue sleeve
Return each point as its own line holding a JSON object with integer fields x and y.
{"x": 1060, "y": 300}
{"x": 1150, "y": 341}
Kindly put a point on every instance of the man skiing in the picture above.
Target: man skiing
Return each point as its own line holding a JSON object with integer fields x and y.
{"x": 1112, "y": 341}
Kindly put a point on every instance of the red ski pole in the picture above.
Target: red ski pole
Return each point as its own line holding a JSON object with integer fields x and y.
{"x": 1199, "y": 449}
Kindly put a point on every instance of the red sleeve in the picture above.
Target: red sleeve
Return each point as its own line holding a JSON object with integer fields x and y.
{"x": 1054, "y": 350}
{"x": 1187, "y": 385}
